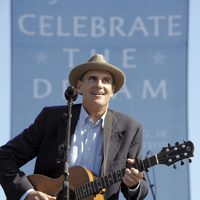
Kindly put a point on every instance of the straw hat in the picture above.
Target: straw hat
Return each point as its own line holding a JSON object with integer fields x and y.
{"x": 97, "y": 62}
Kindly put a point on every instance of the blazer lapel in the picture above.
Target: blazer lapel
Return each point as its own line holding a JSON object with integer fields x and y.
{"x": 106, "y": 140}
{"x": 113, "y": 137}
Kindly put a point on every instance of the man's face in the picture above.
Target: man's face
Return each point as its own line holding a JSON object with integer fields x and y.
{"x": 96, "y": 88}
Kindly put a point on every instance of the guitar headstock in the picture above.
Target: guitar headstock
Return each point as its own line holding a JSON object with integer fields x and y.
{"x": 171, "y": 154}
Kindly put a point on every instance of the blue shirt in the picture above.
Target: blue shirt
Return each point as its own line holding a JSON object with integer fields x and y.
{"x": 87, "y": 143}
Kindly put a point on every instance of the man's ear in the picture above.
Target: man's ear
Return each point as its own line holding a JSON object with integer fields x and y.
{"x": 78, "y": 87}
{"x": 113, "y": 89}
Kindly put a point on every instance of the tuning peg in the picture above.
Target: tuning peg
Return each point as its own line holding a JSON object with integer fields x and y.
{"x": 177, "y": 143}
{"x": 174, "y": 166}
{"x": 182, "y": 163}
{"x": 190, "y": 160}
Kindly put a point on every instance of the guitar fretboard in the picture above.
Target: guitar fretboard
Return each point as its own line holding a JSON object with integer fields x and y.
{"x": 99, "y": 184}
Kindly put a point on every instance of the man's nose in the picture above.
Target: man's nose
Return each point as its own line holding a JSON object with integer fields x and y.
{"x": 99, "y": 83}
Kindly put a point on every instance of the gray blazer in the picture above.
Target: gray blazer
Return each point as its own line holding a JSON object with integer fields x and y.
{"x": 122, "y": 140}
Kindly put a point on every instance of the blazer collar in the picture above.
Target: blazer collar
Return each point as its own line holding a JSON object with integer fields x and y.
{"x": 113, "y": 138}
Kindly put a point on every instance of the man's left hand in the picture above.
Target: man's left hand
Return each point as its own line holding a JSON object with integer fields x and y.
{"x": 132, "y": 176}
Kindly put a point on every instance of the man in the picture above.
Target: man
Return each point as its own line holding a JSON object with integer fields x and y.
{"x": 102, "y": 140}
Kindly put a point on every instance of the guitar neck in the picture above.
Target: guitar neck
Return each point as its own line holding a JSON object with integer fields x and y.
{"x": 168, "y": 156}
{"x": 98, "y": 184}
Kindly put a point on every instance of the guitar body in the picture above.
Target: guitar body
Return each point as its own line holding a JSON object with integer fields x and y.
{"x": 77, "y": 177}
{"x": 83, "y": 185}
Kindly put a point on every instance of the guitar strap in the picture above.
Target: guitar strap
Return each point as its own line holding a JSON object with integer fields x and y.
{"x": 106, "y": 139}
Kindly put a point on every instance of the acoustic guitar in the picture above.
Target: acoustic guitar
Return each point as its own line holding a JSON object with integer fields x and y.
{"x": 84, "y": 185}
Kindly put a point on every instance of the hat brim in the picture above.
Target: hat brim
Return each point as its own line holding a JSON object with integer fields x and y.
{"x": 78, "y": 72}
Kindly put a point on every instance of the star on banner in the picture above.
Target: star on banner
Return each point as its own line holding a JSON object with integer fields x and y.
{"x": 158, "y": 58}
{"x": 52, "y": 2}
{"x": 41, "y": 57}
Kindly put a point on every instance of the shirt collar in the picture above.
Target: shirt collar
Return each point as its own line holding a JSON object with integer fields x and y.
{"x": 84, "y": 116}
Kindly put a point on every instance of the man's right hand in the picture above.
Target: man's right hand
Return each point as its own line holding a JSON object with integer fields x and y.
{"x": 36, "y": 195}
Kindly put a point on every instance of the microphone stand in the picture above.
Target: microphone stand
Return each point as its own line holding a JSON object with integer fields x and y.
{"x": 151, "y": 186}
{"x": 70, "y": 95}
{"x": 148, "y": 178}
{"x": 66, "y": 151}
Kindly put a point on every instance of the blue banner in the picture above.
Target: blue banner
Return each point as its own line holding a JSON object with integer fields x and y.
{"x": 147, "y": 39}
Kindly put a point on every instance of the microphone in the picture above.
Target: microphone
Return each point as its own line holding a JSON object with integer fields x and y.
{"x": 71, "y": 93}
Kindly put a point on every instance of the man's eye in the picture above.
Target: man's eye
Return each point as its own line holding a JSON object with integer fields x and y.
{"x": 107, "y": 80}
{"x": 92, "y": 78}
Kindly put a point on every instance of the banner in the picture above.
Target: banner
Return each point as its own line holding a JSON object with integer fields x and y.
{"x": 147, "y": 39}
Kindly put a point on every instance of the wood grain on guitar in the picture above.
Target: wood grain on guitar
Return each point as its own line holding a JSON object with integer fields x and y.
{"x": 84, "y": 185}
